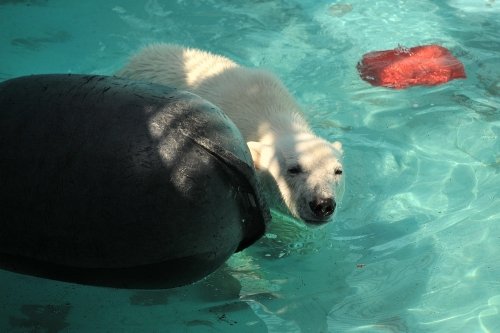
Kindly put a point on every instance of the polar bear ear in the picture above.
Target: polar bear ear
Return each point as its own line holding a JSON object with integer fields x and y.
{"x": 337, "y": 146}
{"x": 256, "y": 151}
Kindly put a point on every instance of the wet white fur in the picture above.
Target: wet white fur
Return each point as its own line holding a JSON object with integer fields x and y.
{"x": 264, "y": 111}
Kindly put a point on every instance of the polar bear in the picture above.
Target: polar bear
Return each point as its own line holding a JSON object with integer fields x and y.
{"x": 304, "y": 168}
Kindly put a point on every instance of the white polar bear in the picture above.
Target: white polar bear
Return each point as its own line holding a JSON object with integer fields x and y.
{"x": 306, "y": 169}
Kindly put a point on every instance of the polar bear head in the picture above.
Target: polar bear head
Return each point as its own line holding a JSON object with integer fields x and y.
{"x": 307, "y": 171}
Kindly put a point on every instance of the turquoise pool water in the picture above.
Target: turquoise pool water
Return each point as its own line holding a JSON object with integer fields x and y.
{"x": 415, "y": 244}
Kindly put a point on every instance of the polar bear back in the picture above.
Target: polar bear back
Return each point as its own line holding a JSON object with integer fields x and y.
{"x": 255, "y": 100}
{"x": 174, "y": 65}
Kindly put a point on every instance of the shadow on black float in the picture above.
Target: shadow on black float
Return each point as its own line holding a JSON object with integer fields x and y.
{"x": 114, "y": 182}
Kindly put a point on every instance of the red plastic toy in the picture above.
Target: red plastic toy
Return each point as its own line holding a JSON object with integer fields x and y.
{"x": 401, "y": 68}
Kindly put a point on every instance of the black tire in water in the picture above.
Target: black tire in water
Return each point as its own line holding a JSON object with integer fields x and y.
{"x": 115, "y": 182}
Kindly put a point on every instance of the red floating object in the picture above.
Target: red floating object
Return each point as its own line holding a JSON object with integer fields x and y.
{"x": 401, "y": 68}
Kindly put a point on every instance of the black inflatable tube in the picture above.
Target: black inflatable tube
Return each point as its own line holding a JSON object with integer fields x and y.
{"x": 116, "y": 182}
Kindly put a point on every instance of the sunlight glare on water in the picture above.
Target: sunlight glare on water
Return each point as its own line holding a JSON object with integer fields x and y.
{"x": 415, "y": 244}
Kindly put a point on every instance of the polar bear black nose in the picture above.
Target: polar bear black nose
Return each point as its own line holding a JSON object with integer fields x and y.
{"x": 322, "y": 207}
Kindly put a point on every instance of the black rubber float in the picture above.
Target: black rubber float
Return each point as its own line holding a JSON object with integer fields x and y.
{"x": 114, "y": 182}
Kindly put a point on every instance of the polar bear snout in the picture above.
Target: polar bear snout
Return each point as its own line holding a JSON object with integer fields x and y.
{"x": 322, "y": 208}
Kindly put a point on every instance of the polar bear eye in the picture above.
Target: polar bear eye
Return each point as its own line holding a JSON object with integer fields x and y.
{"x": 296, "y": 169}
{"x": 338, "y": 171}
